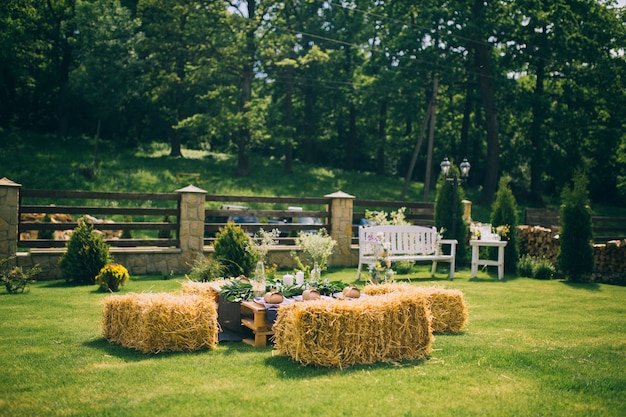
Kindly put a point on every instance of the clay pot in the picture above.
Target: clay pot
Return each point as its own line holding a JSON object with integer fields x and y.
{"x": 273, "y": 297}
{"x": 351, "y": 292}
{"x": 310, "y": 294}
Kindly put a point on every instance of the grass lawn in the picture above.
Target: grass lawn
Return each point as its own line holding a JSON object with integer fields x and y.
{"x": 531, "y": 348}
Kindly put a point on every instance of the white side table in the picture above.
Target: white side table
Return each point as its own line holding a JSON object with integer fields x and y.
{"x": 476, "y": 244}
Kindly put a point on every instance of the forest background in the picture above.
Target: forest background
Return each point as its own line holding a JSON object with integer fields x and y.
{"x": 531, "y": 89}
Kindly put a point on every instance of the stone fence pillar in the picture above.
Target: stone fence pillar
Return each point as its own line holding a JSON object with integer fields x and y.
{"x": 9, "y": 212}
{"x": 341, "y": 207}
{"x": 191, "y": 225}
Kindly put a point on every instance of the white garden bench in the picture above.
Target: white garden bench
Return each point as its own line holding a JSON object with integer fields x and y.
{"x": 405, "y": 243}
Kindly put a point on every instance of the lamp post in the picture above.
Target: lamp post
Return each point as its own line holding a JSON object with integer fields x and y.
{"x": 456, "y": 181}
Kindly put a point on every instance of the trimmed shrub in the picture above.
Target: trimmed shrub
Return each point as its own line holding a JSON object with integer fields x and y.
{"x": 543, "y": 269}
{"x": 87, "y": 253}
{"x": 575, "y": 256}
{"x": 525, "y": 266}
{"x": 534, "y": 267}
{"x": 111, "y": 277}
{"x": 504, "y": 213}
{"x": 231, "y": 251}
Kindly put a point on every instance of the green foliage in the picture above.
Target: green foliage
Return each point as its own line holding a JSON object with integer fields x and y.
{"x": 575, "y": 256}
{"x": 16, "y": 278}
{"x": 86, "y": 254}
{"x": 504, "y": 213}
{"x": 230, "y": 249}
{"x": 206, "y": 269}
{"x": 534, "y": 267}
{"x": 403, "y": 267}
{"x": 111, "y": 277}
{"x": 47, "y": 233}
{"x": 382, "y": 217}
{"x": 237, "y": 290}
{"x": 446, "y": 215}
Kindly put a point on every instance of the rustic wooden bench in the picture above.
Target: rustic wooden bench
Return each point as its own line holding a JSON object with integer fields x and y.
{"x": 405, "y": 243}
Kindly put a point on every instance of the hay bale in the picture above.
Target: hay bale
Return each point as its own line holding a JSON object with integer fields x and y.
{"x": 161, "y": 322}
{"x": 447, "y": 307}
{"x": 204, "y": 289}
{"x": 389, "y": 327}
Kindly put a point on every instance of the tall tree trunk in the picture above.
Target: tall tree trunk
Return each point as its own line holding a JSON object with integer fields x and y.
{"x": 431, "y": 138}
{"x": 382, "y": 137}
{"x": 492, "y": 163}
{"x": 536, "y": 135}
{"x": 175, "y": 144}
{"x": 309, "y": 122}
{"x": 289, "y": 138}
{"x": 247, "y": 76}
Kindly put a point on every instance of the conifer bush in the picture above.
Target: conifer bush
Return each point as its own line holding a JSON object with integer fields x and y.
{"x": 230, "y": 249}
{"x": 444, "y": 206}
{"x": 86, "y": 254}
{"x": 504, "y": 213}
{"x": 575, "y": 258}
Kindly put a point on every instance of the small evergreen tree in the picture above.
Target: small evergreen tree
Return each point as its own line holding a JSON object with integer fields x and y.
{"x": 230, "y": 249}
{"x": 444, "y": 207}
{"x": 504, "y": 213}
{"x": 87, "y": 253}
{"x": 575, "y": 256}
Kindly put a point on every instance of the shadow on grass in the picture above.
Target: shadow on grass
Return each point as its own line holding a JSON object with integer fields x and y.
{"x": 288, "y": 368}
{"x": 132, "y": 355}
{"x": 589, "y": 286}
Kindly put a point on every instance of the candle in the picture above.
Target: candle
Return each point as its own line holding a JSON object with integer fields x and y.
{"x": 299, "y": 277}
{"x": 288, "y": 279}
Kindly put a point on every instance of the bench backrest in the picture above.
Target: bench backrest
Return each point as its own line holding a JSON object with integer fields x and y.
{"x": 402, "y": 239}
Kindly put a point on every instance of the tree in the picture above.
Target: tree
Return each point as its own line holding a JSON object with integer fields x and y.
{"x": 107, "y": 65}
{"x": 504, "y": 213}
{"x": 575, "y": 256}
{"x": 449, "y": 216}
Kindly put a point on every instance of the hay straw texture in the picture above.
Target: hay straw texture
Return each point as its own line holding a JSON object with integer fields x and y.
{"x": 205, "y": 289}
{"x": 389, "y": 327}
{"x": 161, "y": 322}
{"x": 448, "y": 308}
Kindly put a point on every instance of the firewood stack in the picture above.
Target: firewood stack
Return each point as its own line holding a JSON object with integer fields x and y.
{"x": 541, "y": 242}
{"x": 609, "y": 258}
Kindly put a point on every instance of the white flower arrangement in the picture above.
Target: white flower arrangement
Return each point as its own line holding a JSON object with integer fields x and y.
{"x": 317, "y": 246}
{"x": 261, "y": 243}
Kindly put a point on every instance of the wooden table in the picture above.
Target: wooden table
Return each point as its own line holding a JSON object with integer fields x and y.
{"x": 254, "y": 317}
{"x": 476, "y": 244}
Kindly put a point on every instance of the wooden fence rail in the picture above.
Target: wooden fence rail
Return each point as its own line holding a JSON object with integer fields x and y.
{"x": 97, "y": 204}
{"x": 604, "y": 228}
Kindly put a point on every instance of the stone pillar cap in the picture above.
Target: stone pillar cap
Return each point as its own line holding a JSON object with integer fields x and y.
{"x": 4, "y": 181}
{"x": 339, "y": 194}
{"x": 191, "y": 189}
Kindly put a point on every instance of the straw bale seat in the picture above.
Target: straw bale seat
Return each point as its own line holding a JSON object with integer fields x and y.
{"x": 405, "y": 243}
{"x": 160, "y": 322}
{"x": 389, "y": 327}
{"x": 448, "y": 308}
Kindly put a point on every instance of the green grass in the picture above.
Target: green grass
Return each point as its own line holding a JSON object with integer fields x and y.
{"x": 531, "y": 348}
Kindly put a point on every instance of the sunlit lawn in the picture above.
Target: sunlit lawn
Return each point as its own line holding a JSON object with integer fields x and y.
{"x": 531, "y": 348}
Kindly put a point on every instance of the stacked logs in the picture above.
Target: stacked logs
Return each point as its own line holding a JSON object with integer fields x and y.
{"x": 540, "y": 242}
{"x": 609, "y": 258}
